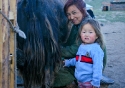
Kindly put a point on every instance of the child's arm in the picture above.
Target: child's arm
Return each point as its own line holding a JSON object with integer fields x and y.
{"x": 97, "y": 66}
{"x": 69, "y": 62}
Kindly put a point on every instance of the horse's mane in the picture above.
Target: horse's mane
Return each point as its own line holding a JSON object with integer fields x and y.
{"x": 38, "y": 56}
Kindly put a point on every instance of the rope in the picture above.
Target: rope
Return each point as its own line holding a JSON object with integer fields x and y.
{"x": 15, "y": 29}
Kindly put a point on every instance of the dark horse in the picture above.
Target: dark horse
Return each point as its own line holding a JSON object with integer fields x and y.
{"x": 38, "y": 56}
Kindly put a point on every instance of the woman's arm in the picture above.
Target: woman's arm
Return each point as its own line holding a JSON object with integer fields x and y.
{"x": 69, "y": 51}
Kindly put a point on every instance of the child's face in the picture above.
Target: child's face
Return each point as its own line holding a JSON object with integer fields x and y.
{"x": 88, "y": 34}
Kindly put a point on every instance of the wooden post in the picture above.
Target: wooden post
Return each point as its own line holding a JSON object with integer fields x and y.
{"x": 7, "y": 45}
{"x": 4, "y": 46}
{"x": 12, "y": 17}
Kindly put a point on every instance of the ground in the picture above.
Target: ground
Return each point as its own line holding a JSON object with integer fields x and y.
{"x": 114, "y": 34}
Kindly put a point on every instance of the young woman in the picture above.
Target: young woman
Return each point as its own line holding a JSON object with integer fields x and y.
{"x": 89, "y": 58}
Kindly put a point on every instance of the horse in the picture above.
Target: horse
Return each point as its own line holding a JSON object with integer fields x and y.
{"x": 39, "y": 55}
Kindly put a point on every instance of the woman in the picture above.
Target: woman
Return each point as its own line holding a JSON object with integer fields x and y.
{"x": 76, "y": 14}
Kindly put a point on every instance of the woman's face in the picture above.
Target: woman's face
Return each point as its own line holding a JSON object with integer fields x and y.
{"x": 74, "y": 14}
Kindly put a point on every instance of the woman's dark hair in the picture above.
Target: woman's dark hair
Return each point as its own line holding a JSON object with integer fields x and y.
{"x": 80, "y": 4}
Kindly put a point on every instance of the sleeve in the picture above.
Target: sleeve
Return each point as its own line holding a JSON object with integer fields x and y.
{"x": 97, "y": 66}
{"x": 70, "y": 62}
{"x": 70, "y": 48}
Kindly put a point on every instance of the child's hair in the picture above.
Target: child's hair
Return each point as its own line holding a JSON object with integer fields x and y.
{"x": 97, "y": 29}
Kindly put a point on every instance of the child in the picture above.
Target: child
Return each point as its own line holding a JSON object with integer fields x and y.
{"x": 89, "y": 58}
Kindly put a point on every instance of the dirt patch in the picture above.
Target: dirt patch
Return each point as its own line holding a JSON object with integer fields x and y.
{"x": 114, "y": 34}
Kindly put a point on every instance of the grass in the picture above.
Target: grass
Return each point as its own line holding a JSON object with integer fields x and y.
{"x": 110, "y": 16}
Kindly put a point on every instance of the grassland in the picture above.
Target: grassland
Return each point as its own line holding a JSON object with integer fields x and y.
{"x": 106, "y": 16}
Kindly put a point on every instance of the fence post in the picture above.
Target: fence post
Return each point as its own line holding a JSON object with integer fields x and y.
{"x": 4, "y": 46}
{"x": 7, "y": 45}
{"x": 12, "y": 17}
